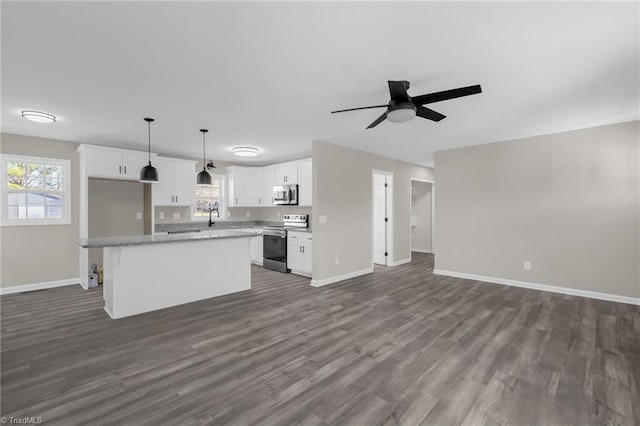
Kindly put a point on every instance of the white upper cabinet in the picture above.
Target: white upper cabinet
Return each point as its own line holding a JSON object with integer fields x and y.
{"x": 305, "y": 188}
{"x": 253, "y": 187}
{"x": 286, "y": 173}
{"x": 176, "y": 182}
{"x": 268, "y": 179}
{"x": 114, "y": 163}
{"x": 235, "y": 186}
{"x": 244, "y": 186}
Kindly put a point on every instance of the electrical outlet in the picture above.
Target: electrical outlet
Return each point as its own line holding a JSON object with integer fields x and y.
{"x": 337, "y": 260}
{"x": 527, "y": 265}
{"x": 161, "y": 215}
{"x": 278, "y": 213}
{"x": 323, "y": 219}
{"x": 248, "y": 214}
{"x": 176, "y": 215}
{"x": 139, "y": 215}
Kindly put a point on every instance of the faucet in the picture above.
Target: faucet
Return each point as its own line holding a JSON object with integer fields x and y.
{"x": 211, "y": 223}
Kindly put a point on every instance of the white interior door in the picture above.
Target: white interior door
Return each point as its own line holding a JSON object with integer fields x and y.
{"x": 379, "y": 219}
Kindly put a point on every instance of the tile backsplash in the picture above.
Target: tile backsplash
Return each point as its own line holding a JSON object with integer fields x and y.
{"x": 169, "y": 214}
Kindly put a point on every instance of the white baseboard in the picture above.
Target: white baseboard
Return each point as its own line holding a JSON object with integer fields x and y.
{"x": 399, "y": 262}
{"x": 331, "y": 280}
{"x": 301, "y": 273}
{"x": 38, "y": 286}
{"x": 543, "y": 287}
{"x": 417, "y": 250}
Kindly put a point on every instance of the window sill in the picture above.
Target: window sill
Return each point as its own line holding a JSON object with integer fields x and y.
{"x": 43, "y": 222}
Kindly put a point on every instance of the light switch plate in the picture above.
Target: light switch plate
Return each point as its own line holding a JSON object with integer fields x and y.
{"x": 161, "y": 215}
{"x": 248, "y": 214}
{"x": 139, "y": 215}
{"x": 527, "y": 265}
{"x": 176, "y": 215}
{"x": 322, "y": 218}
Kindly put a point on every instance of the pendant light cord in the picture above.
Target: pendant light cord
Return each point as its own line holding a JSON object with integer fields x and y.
{"x": 204, "y": 150}
{"x": 149, "y": 120}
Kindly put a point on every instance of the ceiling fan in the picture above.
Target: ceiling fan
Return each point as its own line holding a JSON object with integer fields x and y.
{"x": 403, "y": 107}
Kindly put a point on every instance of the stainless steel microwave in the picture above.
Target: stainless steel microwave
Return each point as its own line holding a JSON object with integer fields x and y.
{"x": 285, "y": 194}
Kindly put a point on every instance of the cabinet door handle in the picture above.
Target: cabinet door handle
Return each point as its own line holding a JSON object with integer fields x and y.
{"x": 125, "y": 170}
{"x": 236, "y": 201}
{"x": 259, "y": 200}
{"x": 176, "y": 198}
{"x": 120, "y": 170}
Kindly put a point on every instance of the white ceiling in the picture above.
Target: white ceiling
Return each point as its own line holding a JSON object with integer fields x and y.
{"x": 268, "y": 74}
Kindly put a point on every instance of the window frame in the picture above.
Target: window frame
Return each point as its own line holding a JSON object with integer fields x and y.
{"x": 4, "y": 191}
{"x": 223, "y": 201}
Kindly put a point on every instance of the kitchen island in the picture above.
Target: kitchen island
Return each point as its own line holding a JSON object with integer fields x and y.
{"x": 145, "y": 273}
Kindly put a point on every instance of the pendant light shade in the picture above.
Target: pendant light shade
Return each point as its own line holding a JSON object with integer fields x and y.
{"x": 203, "y": 178}
{"x": 149, "y": 174}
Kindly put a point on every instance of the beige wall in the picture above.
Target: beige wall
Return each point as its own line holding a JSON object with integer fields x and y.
{"x": 342, "y": 190}
{"x": 113, "y": 208}
{"x": 568, "y": 202}
{"x": 35, "y": 254}
{"x": 421, "y": 210}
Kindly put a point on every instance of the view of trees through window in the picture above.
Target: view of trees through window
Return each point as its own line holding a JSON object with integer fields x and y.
{"x": 34, "y": 191}
{"x": 209, "y": 198}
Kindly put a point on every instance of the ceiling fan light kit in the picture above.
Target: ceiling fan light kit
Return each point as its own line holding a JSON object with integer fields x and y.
{"x": 402, "y": 107}
{"x": 149, "y": 174}
{"x": 400, "y": 115}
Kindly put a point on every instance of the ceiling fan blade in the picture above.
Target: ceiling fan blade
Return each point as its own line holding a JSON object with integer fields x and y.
{"x": 398, "y": 91}
{"x": 447, "y": 94}
{"x": 367, "y": 107}
{"x": 378, "y": 121}
{"x": 429, "y": 114}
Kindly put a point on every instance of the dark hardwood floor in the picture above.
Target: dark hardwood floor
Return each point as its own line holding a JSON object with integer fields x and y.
{"x": 399, "y": 346}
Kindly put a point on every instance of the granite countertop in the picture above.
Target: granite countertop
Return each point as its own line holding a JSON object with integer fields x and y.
{"x": 228, "y": 225}
{"x": 138, "y": 240}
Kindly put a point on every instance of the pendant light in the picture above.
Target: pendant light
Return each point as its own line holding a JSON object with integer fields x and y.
{"x": 149, "y": 174}
{"x": 204, "y": 178}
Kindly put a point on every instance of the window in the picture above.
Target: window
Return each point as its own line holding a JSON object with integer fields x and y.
{"x": 210, "y": 198}
{"x": 35, "y": 191}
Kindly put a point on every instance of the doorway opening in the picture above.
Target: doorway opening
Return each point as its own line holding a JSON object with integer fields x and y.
{"x": 421, "y": 222}
{"x": 382, "y": 217}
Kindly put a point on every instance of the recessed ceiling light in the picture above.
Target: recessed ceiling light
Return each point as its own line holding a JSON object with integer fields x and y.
{"x": 245, "y": 151}
{"x": 39, "y": 117}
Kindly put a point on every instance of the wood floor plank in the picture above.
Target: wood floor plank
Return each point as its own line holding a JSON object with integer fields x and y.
{"x": 400, "y": 346}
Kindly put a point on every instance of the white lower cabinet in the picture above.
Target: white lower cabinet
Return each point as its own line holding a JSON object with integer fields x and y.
{"x": 299, "y": 252}
{"x": 256, "y": 250}
{"x": 255, "y": 246}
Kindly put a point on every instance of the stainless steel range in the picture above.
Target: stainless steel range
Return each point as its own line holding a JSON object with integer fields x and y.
{"x": 275, "y": 241}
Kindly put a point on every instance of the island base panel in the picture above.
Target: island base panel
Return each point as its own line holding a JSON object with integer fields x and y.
{"x": 146, "y": 278}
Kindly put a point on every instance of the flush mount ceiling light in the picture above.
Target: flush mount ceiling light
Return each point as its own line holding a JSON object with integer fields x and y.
{"x": 204, "y": 178}
{"x": 39, "y": 117}
{"x": 245, "y": 151}
{"x": 149, "y": 174}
